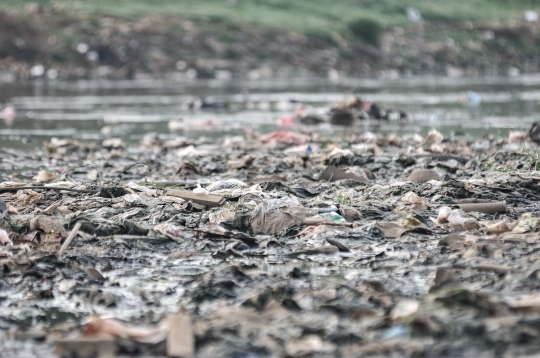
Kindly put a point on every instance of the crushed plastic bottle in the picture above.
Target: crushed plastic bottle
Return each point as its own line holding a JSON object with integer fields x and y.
{"x": 332, "y": 216}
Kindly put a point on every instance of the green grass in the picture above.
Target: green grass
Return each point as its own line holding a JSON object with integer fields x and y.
{"x": 151, "y": 184}
{"x": 343, "y": 197}
{"x": 322, "y": 16}
{"x": 531, "y": 162}
{"x": 532, "y": 158}
{"x": 501, "y": 168}
{"x": 369, "y": 30}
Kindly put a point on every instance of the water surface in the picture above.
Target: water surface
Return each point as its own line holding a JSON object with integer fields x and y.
{"x": 130, "y": 109}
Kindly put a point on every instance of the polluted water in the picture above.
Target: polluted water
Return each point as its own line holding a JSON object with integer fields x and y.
{"x": 284, "y": 241}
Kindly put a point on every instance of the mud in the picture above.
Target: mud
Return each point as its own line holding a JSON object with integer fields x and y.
{"x": 370, "y": 262}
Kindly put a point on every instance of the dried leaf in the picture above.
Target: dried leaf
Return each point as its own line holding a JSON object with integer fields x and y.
{"x": 47, "y": 225}
{"x": 50, "y": 238}
{"x": 44, "y": 176}
{"x": 332, "y": 174}
{"x": 240, "y": 163}
{"x": 525, "y": 224}
{"x": 411, "y": 224}
{"x": 349, "y": 213}
{"x": 94, "y": 274}
{"x": 423, "y": 175}
{"x": 416, "y": 202}
{"x": 28, "y": 196}
{"x": 499, "y": 227}
{"x": 391, "y": 229}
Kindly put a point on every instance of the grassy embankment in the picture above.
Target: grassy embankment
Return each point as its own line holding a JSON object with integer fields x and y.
{"x": 318, "y": 17}
{"x": 453, "y": 33}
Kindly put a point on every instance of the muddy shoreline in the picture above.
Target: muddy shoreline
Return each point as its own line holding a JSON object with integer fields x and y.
{"x": 54, "y": 44}
{"x": 369, "y": 244}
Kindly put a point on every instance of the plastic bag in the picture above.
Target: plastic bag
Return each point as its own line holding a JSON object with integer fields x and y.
{"x": 275, "y": 215}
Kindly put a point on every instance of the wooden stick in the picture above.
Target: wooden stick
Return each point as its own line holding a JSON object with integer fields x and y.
{"x": 72, "y": 235}
{"x": 203, "y": 199}
{"x": 321, "y": 221}
{"x": 15, "y": 188}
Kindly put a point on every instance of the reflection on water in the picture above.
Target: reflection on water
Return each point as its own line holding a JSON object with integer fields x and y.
{"x": 132, "y": 108}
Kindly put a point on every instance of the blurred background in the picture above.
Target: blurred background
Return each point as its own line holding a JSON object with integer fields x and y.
{"x": 99, "y": 68}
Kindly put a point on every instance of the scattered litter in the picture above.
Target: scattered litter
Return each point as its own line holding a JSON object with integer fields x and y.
{"x": 285, "y": 137}
{"x": 304, "y": 245}
{"x": 458, "y": 219}
{"x": 391, "y": 230}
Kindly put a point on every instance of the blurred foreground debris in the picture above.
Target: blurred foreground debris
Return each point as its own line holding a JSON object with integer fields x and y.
{"x": 293, "y": 245}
